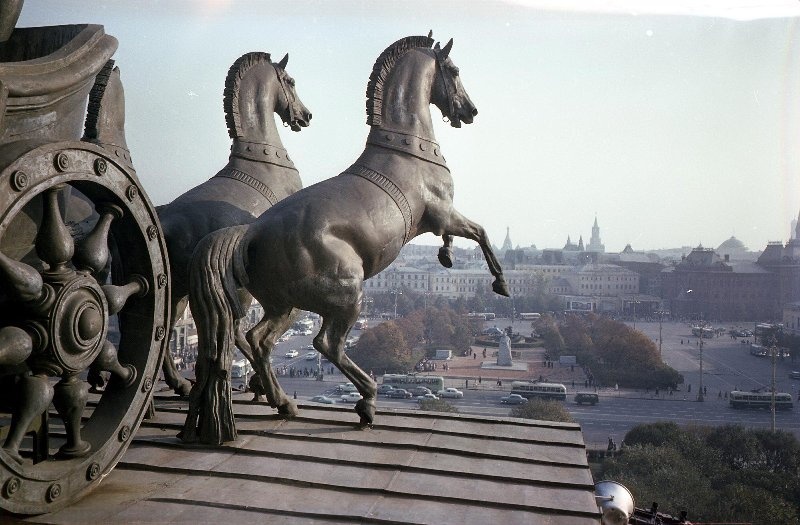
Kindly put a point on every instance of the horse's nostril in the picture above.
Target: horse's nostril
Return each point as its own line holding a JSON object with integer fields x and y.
{"x": 309, "y": 116}
{"x": 474, "y": 112}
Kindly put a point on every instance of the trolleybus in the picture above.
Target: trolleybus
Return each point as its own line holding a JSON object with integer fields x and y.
{"x": 739, "y": 399}
{"x": 530, "y": 389}
{"x": 408, "y": 381}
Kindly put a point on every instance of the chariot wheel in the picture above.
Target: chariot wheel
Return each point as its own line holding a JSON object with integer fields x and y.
{"x": 82, "y": 296}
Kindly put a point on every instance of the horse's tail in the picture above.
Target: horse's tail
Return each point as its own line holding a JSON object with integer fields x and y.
{"x": 215, "y": 263}
{"x": 213, "y": 283}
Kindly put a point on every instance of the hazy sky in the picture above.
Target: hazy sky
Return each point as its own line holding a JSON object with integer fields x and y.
{"x": 673, "y": 129}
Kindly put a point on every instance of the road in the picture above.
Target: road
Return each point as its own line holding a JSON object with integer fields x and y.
{"x": 727, "y": 365}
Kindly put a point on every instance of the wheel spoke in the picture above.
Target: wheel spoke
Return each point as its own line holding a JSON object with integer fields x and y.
{"x": 92, "y": 253}
{"x": 54, "y": 244}
{"x": 70, "y": 395}
{"x": 15, "y": 346}
{"x": 108, "y": 361}
{"x": 117, "y": 296}
{"x": 35, "y": 395}
{"x": 22, "y": 279}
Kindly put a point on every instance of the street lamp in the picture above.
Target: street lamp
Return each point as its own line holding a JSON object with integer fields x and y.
{"x": 773, "y": 351}
{"x": 660, "y": 313}
{"x": 396, "y": 293}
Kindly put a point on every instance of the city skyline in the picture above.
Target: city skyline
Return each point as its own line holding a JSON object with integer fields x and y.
{"x": 673, "y": 129}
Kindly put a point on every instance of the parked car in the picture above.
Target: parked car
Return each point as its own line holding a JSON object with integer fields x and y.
{"x": 346, "y": 388}
{"x": 323, "y": 399}
{"x": 427, "y": 397}
{"x": 794, "y": 374}
{"x": 383, "y": 389}
{"x": 587, "y": 397}
{"x": 420, "y": 391}
{"x": 451, "y": 392}
{"x": 305, "y": 331}
{"x": 310, "y": 356}
{"x": 513, "y": 399}
{"x": 399, "y": 393}
{"x": 350, "y": 397}
{"x": 292, "y": 353}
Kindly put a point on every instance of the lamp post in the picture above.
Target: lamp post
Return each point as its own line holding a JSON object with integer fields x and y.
{"x": 700, "y": 396}
{"x": 660, "y": 339}
{"x": 773, "y": 351}
{"x": 396, "y": 293}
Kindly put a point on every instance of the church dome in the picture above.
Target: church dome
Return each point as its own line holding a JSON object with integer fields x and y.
{"x": 732, "y": 245}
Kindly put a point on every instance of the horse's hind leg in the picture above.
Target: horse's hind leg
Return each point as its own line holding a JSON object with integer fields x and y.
{"x": 446, "y": 252}
{"x": 262, "y": 339}
{"x": 179, "y": 384}
{"x": 330, "y": 343}
{"x": 460, "y": 226}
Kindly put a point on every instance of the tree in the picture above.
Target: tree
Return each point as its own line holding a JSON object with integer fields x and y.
{"x": 383, "y": 349}
{"x": 542, "y": 410}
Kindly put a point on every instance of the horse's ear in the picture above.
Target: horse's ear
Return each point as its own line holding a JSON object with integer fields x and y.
{"x": 446, "y": 50}
{"x": 430, "y": 33}
{"x": 284, "y": 61}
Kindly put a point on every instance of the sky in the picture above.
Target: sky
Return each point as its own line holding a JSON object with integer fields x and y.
{"x": 673, "y": 123}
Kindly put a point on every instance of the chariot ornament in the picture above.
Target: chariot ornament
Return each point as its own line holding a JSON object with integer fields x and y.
{"x": 314, "y": 249}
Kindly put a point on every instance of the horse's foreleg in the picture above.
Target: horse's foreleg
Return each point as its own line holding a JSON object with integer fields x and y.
{"x": 179, "y": 384}
{"x": 462, "y": 227}
{"x": 262, "y": 340}
{"x": 446, "y": 252}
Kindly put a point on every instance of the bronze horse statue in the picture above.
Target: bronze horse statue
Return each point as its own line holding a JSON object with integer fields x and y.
{"x": 314, "y": 249}
{"x": 259, "y": 173}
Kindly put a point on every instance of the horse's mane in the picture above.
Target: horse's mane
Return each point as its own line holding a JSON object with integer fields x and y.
{"x": 230, "y": 99}
{"x": 380, "y": 72}
{"x": 90, "y": 126}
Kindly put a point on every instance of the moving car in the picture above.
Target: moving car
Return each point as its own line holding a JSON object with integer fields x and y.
{"x": 420, "y": 391}
{"x": 513, "y": 399}
{"x": 346, "y": 388}
{"x": 383, "y": 389}
{"x": 350, "y": 397}
{"x": 587, "y": 397}
{"x": 323, "y": 399}
{"x": 794, "y": 374}
{"x": 451, "y": 392}
{"x": 310, "y": 356}
{"x": 292, "y": 353}
{"x": 398, "y": 393}
{"x": 427, "y": 397}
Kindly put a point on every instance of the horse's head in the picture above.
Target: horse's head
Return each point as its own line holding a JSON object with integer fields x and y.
{"x": 449, "y": 94}
{"x": 255, "y": 88}
{"x": 292, "y": 111}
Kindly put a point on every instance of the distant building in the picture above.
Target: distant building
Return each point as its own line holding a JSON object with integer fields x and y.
{"x": 594, "y": 243}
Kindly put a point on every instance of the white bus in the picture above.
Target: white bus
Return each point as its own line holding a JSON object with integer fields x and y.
{"x": 530, "y": 316}
{"x": 530, "y": 389}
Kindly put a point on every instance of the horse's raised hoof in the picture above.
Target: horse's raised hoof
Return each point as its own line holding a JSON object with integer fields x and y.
{"x": 500, "y": 287}
{"x": 366, "y": 410}
{"x": 288, "y": 410}
{"x": 446, "y": 257}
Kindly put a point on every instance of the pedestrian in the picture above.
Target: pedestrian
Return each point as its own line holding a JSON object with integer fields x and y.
{"x": 474, "y": 355}
{"x": 295, "y": 394}
{"x": 480, "y": 380}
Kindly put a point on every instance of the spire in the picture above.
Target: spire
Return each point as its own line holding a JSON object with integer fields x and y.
{"x": 797, "y": 227}
{"x": 595, "y": 245}
{"x": 507, "y": 245}
{"x": 580, "y": 243}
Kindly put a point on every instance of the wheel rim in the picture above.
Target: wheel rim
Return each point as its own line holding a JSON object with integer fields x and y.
{"x": 59, "y": 311}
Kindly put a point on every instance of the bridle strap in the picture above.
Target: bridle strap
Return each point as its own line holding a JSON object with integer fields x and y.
{"x": 290, "y": 101}
{"x": 447, "y": 91}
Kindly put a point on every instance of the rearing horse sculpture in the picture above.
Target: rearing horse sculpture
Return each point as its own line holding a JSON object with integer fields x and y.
{"x": 259, "y": 173}
{"x": 314, "y": 249}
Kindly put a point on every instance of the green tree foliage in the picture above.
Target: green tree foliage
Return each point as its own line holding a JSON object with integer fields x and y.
{"x": 437, "y": 405}
{"x": 723, "y": 474}
{"x": 552, "y": 341}
{"x": 542, "y": 410}
{"x": 613, "y": 352}
{"x": 383, "y": 349}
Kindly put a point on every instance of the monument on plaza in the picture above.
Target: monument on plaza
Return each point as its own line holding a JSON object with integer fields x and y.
{"x": 314, "y": 249}
{"x": 504, "y": 351}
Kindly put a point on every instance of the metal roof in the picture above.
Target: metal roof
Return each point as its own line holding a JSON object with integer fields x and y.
{"x": 412, "y": 467}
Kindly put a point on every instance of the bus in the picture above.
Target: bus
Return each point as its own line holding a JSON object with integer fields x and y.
{"x": 703, "y": 331}
{"x": 739, "y": 399}
{"x": 530, "y": 316}
{"x": 530, "y": 389}
{"x": 434, "y": 383}
{"x": 486, "y": 316}
{"x": 361, "y": 324}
